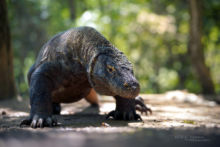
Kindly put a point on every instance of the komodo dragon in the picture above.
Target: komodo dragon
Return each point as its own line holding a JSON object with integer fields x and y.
{"x": 76, "y": 64}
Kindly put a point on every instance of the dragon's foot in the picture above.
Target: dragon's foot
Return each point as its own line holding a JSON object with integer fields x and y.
{"x": 39, "y": 121}
{"x": 140, "y": 106}
{"x": 126, "y": 109}
{"x": 117, "y": 115}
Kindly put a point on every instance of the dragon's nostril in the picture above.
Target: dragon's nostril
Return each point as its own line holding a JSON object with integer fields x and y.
{"x": 126, "y": 84}
{"x": 135, "y": 85}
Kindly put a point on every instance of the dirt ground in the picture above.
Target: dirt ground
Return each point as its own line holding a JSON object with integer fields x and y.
{"x": 179, "y": 118}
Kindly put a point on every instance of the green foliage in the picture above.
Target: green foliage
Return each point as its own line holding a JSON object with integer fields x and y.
{"x": 153, "y": 34}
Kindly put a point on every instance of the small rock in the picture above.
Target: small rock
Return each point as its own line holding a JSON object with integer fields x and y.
{"x": 105, "y": 124}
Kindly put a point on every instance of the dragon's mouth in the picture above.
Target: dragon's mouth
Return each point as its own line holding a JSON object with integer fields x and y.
{"x": 128, "y": 93}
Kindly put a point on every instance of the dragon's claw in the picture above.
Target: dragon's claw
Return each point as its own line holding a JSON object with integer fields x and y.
{"x": 123, "y": 115}
{"x": 140, "y": 106}
{"x": 39, "y": 122}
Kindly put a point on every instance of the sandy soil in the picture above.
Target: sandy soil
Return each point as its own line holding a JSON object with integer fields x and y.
{"x": 178, "y": 119}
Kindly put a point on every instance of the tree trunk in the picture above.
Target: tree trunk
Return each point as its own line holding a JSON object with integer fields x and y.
{"x": 7, "y": 86}
{"x": 195, "y": 47}
{"x": 72, "y": 6}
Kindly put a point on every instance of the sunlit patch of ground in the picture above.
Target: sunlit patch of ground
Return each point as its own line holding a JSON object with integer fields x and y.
{"x": 175, "y": 119}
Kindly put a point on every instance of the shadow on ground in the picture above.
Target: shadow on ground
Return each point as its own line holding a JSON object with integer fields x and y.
{"x": 173, "y": 123}
{"x": 143, "y": 137}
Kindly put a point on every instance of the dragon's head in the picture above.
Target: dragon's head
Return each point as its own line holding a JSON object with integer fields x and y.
{"x": 112, "y": 74}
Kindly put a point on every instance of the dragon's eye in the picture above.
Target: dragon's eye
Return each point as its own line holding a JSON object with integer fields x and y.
{"x": 110, "y": 68}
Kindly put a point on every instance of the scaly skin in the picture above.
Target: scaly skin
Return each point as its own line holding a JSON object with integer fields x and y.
{"x": 70, "y": 65}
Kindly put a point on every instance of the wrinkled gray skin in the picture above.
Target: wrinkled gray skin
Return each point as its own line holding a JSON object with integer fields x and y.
{"x": 72, "y": 63}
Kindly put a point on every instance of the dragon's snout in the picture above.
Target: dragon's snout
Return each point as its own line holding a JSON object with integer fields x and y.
{"x": 132, "y": 85}
{"x": 130, "y": 89}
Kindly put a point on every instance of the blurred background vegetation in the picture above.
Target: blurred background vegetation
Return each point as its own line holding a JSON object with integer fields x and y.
{"x": 154, "y": 35}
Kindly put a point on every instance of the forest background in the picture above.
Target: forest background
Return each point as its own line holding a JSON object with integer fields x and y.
{"x": 171, "y": 44}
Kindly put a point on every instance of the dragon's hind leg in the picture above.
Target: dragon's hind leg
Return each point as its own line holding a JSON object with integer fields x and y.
{"x": 92, "y": 98}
